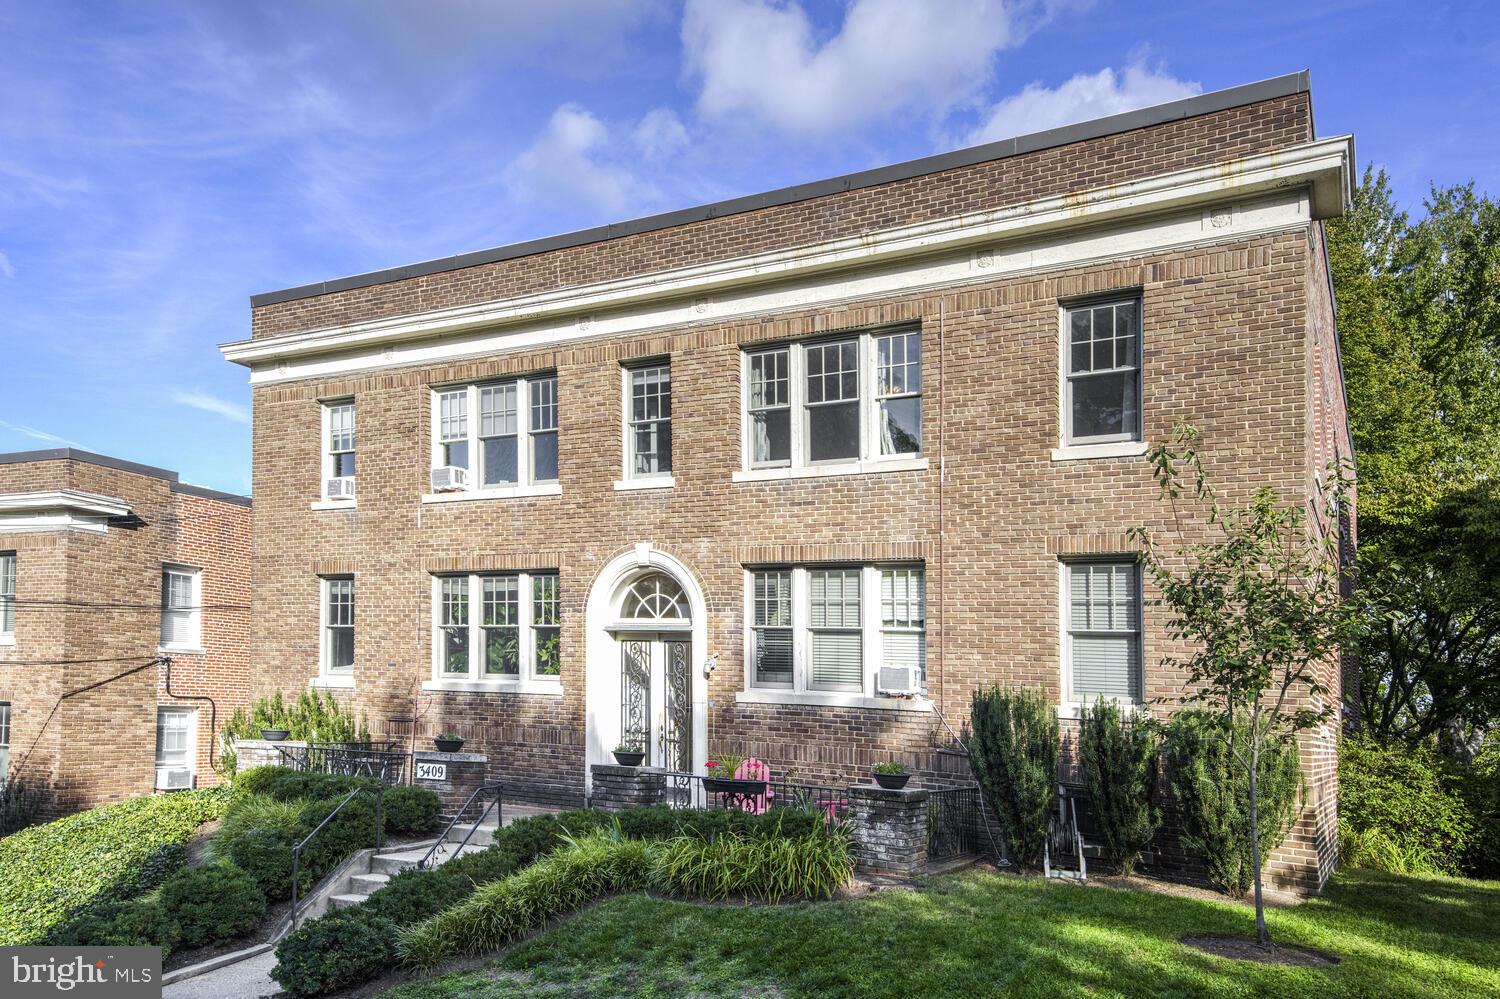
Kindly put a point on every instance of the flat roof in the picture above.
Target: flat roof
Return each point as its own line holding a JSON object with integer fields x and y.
{"x": 104, "y": 460}
{"x": 1191, "y": 107}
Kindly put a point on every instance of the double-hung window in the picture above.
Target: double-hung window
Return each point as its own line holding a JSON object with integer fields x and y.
{"x": 4, "y": 741}
{"x": 7, "y": 598}
{"x": 1102, "y": 394}
{"x": 338, "y": 450}
{"x": 502, "y": 627}
{"x": 1103, "y": 631}
{"x": 648, "y": 423}
{"x": 496, "y": 435}
{"x": 338, "y": 626}
{"x": 830, "y": 629}
{"x": 181, "y": 608}
{"x": 848, "y": 400}
{"x": 174, "y": 738}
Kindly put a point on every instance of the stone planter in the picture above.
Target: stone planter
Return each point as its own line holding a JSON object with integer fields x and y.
{"x": 625, "y": 759}
{"x": 892, "y": 782}
{"x": 274, "y": 734}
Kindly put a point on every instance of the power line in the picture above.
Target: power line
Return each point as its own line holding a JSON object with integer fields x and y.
{"x": 75, "y": 662}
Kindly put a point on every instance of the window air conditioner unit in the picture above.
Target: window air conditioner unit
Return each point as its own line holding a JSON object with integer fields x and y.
{"x": 173, "y": 778}
{"x": 902, "y": 681}
{"x": 340, "y": 488}
{"x": 449, "y": 479}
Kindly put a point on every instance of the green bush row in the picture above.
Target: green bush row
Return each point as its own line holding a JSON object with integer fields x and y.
{"x": 1401, "y": 810}
{"x": 317, "y": 958}
{"x": 53, "y": 872}
{"x": 197, "y": 906}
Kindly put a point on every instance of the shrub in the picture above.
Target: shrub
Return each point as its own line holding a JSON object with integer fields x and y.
{"x": 1400, "y": 809}
{"x": 770, "y": 868}
{"x": 412, "y": 896}
{"x": 286, "y": 784}
{"x": 340, "y": 949}
{"x": 412, "y": 811}
{"x": 1013, "y": 750}
{"x": 113, "y": 853}
{"x": 212, "y": 903}
{"x": 1480, "y": 787}
{"x": 353, "y": 828}
{"x": 501, "y": 911}
{"x": 19, "y": 805}
{"x": 1211, "y": 790}
{"x": 315, "y": 717}
{"x": 139, "y": 923}
{"x": 1118, "y": 757}
{"x": 257, "y": 836}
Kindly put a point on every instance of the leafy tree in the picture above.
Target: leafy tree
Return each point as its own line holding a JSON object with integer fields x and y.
{"x": 1260, "y": 607}
{"x": 1419, "y": 325}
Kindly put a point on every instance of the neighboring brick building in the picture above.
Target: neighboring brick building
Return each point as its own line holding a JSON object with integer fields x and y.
{"x": 105, "y": 565}
{"x": 882, "y": 425}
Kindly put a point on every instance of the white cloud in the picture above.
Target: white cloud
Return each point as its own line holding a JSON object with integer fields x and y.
{"x": 39, "y": 435}
{"x": 573, "y": 159}
{"x": 660, "y": 134}
{"x": 6, "y": 267}
{"x": 213, "y": 404}
{"x": 1085, "y": 96}
{"x": 764, "y": 59}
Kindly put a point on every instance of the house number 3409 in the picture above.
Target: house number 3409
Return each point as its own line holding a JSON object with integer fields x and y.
{"x": 432, "y": 771}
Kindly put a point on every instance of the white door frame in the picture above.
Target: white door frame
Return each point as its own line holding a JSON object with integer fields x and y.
{"x": 602, "y": 652}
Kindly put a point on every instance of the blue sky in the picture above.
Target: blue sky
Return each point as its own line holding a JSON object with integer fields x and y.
{"x": 161, "y": 161}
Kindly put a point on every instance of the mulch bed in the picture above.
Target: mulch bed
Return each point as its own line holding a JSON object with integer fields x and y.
{"x": 1246, "y": 949}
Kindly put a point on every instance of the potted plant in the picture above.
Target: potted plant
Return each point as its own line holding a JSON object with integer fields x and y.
{"x": 274, "y": 734}
{"x": 447, "y": 742}
{"x": 629, "y": 754}
{"x": 747, "y": 790}
{"x": 891, "y": 775}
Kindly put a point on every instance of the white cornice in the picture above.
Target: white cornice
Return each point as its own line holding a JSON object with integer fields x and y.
{"x": 722, "y": 289}
{"x": 63, "y": 509}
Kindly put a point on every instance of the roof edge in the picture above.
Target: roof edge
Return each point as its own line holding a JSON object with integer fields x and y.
{"x": 1190, "y": 107}
{"x": 121, "y": 464}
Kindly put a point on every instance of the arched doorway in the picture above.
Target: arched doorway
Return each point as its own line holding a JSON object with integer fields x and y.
{"x": 647, "y": 641}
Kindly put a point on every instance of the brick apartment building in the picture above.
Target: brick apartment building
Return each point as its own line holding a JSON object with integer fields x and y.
{"x": 106, "y": 565}
{"x": 793, "y": 475}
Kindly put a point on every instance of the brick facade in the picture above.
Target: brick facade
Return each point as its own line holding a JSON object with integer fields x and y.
{"x": 96, "y": 595}
{"x": 1238, "y": 339}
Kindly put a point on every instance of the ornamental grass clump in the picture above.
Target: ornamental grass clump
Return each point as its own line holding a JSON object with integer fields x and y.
{"x": 499, "y": 912}
{"x": 771, "y": 869}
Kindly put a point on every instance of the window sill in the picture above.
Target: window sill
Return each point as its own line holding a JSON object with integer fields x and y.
{"x": 1073, "y": 710}
{"x": 820, "y": 699}
{"x": 532, "y": 688}
{"x": 340, "y": 504}
{"x": 873, "y": 467}
{"x": 329, "y": 681}
{"x": 507, "y": 492}
{"x": 7, "y": 640}
{"x": 180, "y": 650}
{"x": 655, "y": 482}
{"x": 1115, "y": 449}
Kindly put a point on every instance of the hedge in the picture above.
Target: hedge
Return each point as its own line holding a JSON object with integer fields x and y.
{"x": 138, "y": 923}
{"x": 52, "y": 872}
{"x": 286, "y": 784}
{"x": 339, "y": 950}
{"x": 1400, "y": 810}
{"x": 212, "y": 903}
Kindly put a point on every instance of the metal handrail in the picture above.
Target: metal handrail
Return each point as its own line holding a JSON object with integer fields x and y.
{"x": 458, "y": 816}
{"x": 379, "y": 791}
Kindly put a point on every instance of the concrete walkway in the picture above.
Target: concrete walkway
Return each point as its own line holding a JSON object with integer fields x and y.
{"x": 246, "y": 980}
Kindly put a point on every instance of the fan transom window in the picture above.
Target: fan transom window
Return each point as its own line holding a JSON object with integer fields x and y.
{"x": 656, "y": 597}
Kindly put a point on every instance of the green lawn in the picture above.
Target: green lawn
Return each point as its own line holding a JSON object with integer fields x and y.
{"x": 980, "y": 934}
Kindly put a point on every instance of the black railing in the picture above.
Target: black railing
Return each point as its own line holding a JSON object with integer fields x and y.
{"x": 955, "y": 823}
{"x": 493, "y": 790}
{"x": 379, "y": 792}
{"x": 686, "y": 790}
{"x": 379, "y": 761}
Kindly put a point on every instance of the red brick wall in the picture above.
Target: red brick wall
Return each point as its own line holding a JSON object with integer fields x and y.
{"x": 87, "y": 596}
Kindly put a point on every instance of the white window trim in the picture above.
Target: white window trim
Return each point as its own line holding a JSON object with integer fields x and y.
{"x": 1069, "y": 708}
{"x": 191, "y": 749}
{"x": 871, "y": 632}
{"x": 342, "y": 502}
{"x": 524, "y": 485}
{"x": 1070, "y": 449}
{"x": 327, "y": 676}
{"x": 9, "y": 637}
{"x": 195, "y": 645}
{"x": 869, "y": 459}
{"x": 527, "y": 681}
{"x": 629, "y": 478}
